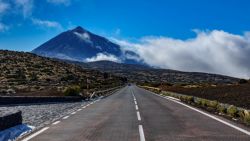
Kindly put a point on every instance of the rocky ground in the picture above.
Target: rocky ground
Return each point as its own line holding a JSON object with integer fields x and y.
{"x": 38, "y": 115}
{"x": 238, "y": 94}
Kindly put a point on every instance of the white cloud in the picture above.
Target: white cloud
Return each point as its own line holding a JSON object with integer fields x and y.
{"x": 59, "y": 2}
{"x": 3, "y": 7}
{"x": 26, "y": 6}
{"x": 3, "y": 27}
{"x": 46, "y": 23}
{"x": 102, "y": 56}
{"x": 84, "y": 36}
{"x": 210, "y": 51}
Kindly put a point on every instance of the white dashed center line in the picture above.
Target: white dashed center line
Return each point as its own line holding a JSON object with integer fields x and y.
{"x": 138, "y": 116}
{"x": 135, "y": 103}
{"x": 136, "y": 107}
{"x": 73, "y": 113}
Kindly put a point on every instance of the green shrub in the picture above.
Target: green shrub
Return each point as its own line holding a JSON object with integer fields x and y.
{"x": 245, "y": 116}
{"x": 212, "y": 104}
{"x": 198, "y": 101}
{"x": 189, "y": 99}
{"x": 221, "y": 108}
{"x": 203, "y": 102}
{"x": 232, "y": 111}
{"x": 72, "y": 91}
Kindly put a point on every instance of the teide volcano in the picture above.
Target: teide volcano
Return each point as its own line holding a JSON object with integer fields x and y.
{"x": 81, "y": 45}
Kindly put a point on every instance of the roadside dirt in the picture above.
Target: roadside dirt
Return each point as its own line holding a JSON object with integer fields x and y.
{"x": 238, "y": 94}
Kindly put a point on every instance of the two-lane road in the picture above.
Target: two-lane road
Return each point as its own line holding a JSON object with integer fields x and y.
{"x": 134, "y": 114}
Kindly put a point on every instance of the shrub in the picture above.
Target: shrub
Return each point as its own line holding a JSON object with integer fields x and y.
{"x": 198, "y": 101}
{"x": 243, "y": 81}
{"x": 72, "y": 91}
{"x": 245, "y": 116}
{"x": 221, "y": 108}
{"x": 189, "y": 99}
{"x": 203, "y": 102}
{"x": 212, "y": 104}
{"x": 232, "y": 111}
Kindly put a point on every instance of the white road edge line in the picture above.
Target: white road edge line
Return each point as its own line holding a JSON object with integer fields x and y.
{"x": 138, "y": 116}
{"x": 208, "y": 115}
{"x": 136, "y": 107}
{"x": 56, "y": 122}
{"x": 35, "y": 134}
{"x": 141, "y": 132}
{"x": 65, "y": 117}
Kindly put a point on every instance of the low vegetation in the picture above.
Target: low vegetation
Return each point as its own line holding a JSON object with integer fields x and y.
{"x": 28, "y": 74}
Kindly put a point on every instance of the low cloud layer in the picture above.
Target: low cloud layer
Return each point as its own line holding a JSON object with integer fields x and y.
{"x": 214, "y": 52}
{"x": 102, "y": 56}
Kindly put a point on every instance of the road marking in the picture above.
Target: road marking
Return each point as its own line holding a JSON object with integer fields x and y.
{"x": 65, "y": 117}
{"x": 141, "y": 132}
{"x": 84, "y": 107}
{"x": 73, "y": 113}
{"x": 208, "y": 115}
{"x": 35, "y": 134}
{"x": 136, "y": 107}
{"x": 56, "y": 122}
{"x": 79, "y": 110}
{"x": 135, "y": 103}
{"x": 138, "y": 116}
{"x": 87, "y": 105}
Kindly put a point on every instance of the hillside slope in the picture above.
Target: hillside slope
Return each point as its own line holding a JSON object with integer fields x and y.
{"x": 26, "y": 72}
{"x": 145, "y": 74}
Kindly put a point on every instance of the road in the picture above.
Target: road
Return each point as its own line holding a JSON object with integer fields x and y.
{"x": 134, "y": 114}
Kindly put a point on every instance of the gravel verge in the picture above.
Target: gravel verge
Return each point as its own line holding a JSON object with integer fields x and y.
{"x": 39, "y": 115}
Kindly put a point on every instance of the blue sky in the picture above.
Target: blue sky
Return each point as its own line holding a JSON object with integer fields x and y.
{"x": 25, "y": 24}
{"x": 190, "y": 35}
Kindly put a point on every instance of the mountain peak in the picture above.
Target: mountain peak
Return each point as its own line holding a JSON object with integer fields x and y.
{"x": 79, "y": 29}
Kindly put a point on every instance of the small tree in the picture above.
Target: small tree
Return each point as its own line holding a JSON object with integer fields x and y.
{"x": 72, "y": 91}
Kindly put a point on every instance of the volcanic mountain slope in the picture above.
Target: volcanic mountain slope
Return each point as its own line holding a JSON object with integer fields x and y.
{"x": 26, "y": 72}
{"x": 141, "y": 74}
{"x": 79, "y": 45}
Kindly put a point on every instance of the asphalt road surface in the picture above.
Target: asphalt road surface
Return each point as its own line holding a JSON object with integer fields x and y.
{"x": 134, "y": 114}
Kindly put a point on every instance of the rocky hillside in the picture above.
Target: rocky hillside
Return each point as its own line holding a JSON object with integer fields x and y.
{"x": 25, "y": 72}
{"x": 145, "y": 74}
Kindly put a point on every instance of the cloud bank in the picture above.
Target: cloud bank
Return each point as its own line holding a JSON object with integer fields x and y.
{"x": 102, "y": 56}
{"x": 210, "y": 51}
